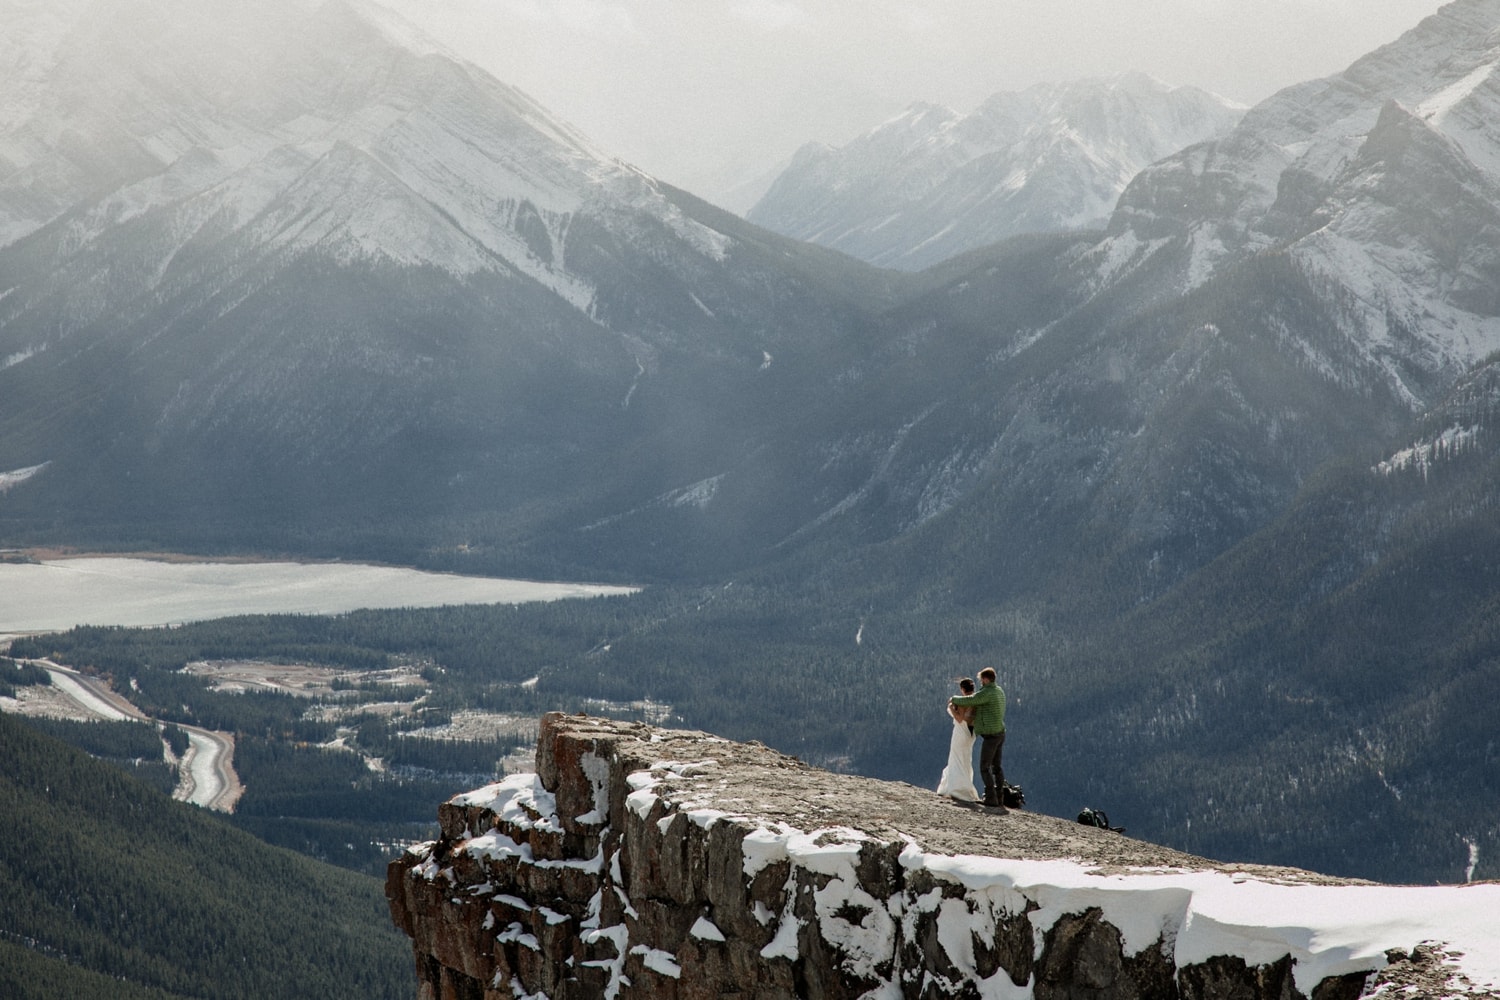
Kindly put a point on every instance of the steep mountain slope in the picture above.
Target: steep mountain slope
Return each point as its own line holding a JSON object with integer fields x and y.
{"x": 30, "y": 975}
{"x": 281, "y": 271}
{"x": 1123, "y": 409}
{"x": 1350, "y": 645}
{"x": 1381, "y": 183}
{"x": 106, "y": 875}
{"x": 933, "y": 183}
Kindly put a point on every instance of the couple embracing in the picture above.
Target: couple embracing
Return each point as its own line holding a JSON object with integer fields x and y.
{"x": 978, "y": 714}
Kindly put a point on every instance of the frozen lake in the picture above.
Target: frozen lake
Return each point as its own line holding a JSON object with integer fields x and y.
{"x": 97, "y": 590}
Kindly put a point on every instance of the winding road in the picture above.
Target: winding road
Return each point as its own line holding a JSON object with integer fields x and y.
{"x": 206, "y": 775}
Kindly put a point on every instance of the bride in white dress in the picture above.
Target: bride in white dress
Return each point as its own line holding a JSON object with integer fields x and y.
{"x": 958, "y": 777}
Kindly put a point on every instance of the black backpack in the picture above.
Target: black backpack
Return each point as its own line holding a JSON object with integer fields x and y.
{"x": 1011, "y": 797}
{"x": 1098, "y": 818}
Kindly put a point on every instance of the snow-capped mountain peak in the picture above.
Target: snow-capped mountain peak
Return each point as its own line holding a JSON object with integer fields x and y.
{"x": 931, "y": 182}
{"x": 1384, "y": 179}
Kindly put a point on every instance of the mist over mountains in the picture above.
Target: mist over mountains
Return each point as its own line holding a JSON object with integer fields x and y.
{"x": 288, "y": 278}
{"x": 352, "y": 278}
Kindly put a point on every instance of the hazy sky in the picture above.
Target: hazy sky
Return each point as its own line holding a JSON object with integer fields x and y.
{"x": 705, "y": 93}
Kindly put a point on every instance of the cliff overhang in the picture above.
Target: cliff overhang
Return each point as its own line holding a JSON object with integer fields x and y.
{"x": 648, "y": 862}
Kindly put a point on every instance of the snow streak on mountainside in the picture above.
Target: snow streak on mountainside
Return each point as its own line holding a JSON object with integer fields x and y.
{"x": 932, "y": 183}
{"x": 1383, "y": 185}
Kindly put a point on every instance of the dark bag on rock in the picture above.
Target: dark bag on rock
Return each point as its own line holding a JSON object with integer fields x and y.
{"x": 1011, "y": 797}
{"x": 1097, "y": 817}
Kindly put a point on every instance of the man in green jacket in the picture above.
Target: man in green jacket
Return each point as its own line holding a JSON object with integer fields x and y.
{"x": 989, "y": 726}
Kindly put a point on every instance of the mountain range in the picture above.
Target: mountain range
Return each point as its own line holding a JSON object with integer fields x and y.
{"x": 348, "y": 295}
{"x": 352, "y": 280}
{"x": 932, "y": 183}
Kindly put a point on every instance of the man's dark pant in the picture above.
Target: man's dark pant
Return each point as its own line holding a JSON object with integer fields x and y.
{"x": 989, "y": 767}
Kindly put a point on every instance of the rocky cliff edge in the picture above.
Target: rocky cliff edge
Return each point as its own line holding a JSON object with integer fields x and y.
{"x": 648, "y": 862}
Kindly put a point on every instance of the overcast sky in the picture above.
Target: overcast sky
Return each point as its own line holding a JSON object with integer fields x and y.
{"x": 705, "y": 93}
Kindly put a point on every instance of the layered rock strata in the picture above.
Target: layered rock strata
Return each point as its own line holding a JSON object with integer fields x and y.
{"x": 646, "y": 862}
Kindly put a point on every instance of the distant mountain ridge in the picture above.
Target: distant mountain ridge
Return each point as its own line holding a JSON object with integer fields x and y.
{"x": 932, "y": 183}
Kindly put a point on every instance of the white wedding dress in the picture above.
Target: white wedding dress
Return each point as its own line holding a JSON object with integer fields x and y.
{"x": 958, "y": 777}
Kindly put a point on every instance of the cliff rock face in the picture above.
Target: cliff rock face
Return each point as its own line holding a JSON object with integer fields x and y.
{"x": 643, "y": 862}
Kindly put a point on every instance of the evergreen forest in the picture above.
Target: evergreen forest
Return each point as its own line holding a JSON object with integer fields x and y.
{"x": 110, "y": 888}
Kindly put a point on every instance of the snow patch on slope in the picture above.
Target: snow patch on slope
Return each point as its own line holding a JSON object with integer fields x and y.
{"x": 11, "y": 360}
{"x": 15, "y": 477}
{"x": 1437, "y": 107}
{"x": 1328, "y": 930}
{"x": 1424, "y": 454}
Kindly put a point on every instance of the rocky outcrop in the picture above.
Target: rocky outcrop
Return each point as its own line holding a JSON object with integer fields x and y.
{"x": 645, "y": 862}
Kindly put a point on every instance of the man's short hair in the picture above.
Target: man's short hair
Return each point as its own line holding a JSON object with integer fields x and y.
{"x": 987, "y": 674}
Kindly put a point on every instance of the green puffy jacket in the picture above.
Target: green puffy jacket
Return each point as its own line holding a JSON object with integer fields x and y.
{"x": 990, "y": 702}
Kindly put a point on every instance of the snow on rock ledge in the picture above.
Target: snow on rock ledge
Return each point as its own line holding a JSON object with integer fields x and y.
{"x": 645, "y": 862}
